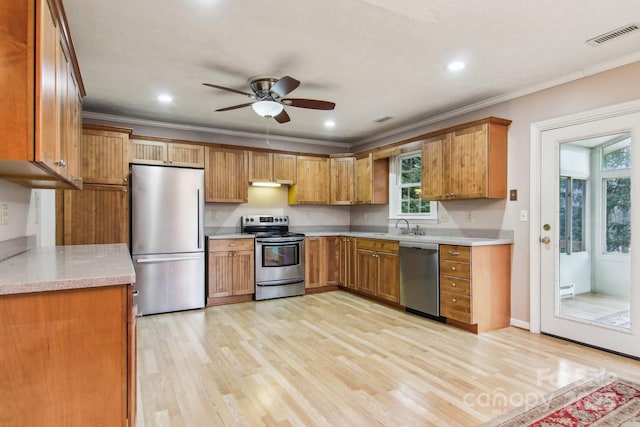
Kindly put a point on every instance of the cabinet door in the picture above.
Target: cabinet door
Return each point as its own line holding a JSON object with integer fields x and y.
{"x": 243, "y": 273}
{"x": 47, "y": 148}
{"x": 434, "y": 156}
{"x": 468, "y": 164}
{"x": 105, "y": 157}
{"x": 260, "y": 166}
{"x": 332, "y": 260}
{"x": 347, "y": 262}
{"x": 185, "y": 155}
{"x": 226, "y": 175}
{"x": 65, "y": 153}
{"x": 284, "y": 168}
{"x": 148, "y": 152}
{"x": 314, "y": 262}
{"x": 96, "y": 215}
{"x": 220, "y": 274}
{"x": 363, "y": 181}
{"x": 367, "y": 271}
{"x": 312, "y": 185}
{"x": 388, "y": 284}
{"x": 75, "y": 133}
{"x": 342, "y": 180}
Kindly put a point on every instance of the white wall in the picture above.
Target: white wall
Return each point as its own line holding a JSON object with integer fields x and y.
{"x": 31, "y": 212}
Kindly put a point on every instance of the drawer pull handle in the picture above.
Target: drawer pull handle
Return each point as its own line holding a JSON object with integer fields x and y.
{"x": 453, "y": 285}
{"x": 233, "y": 244}
{"x": 454, "y": 300}
{"x": 453, "y": 269}
{"x": 454, "y": 253}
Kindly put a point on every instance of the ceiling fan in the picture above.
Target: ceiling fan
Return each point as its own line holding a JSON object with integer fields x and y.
{"x": 269, "y": 97}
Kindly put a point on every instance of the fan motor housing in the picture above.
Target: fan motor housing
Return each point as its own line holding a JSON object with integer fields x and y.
{"x": 262, "y": 85}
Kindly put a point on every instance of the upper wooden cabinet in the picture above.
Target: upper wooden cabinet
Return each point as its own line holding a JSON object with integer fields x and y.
{"x": 342, "y": 177}
{"x": 272, "y": 167}
{"x": 468, "y": 163}
{"x": 226, "y": 175}
{"x": 312, "y": 186}
{"x": 105, "y": 155}
{"x": 151, "y": 152}
{"x": 41, "y": 97}
{"x": 372, "y": 180}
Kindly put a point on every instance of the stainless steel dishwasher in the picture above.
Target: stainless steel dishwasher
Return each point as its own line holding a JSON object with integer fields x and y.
{"x": 419, "y": 278}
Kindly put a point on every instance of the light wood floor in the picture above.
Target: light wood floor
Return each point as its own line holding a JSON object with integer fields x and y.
{"x": 336, "y": 359}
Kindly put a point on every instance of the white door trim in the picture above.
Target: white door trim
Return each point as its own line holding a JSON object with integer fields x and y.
{"x": 534, "y": 190}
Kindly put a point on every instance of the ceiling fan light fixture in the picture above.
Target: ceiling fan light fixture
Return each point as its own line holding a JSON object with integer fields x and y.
{"x": 267, "y": 108}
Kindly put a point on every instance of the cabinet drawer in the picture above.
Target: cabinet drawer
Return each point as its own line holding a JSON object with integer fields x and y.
{"x": 230, "y": 245}
{"x": 455, "y": 253}
{"x": 379, "y": 245}
{"x": 455, "y": 306}
{"x": 452, "y": 284}
{"x": 455, "y": 269}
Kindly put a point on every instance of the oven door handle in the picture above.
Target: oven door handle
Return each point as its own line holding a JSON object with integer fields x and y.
{"x": 280, "y": 282}
{"x": 281, "y": 240}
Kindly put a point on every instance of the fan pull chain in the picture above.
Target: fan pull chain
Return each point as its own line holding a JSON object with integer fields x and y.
{"x": 267, "y": 133}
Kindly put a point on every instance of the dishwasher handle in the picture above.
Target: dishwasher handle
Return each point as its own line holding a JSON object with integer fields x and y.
{"x": 419, "y": 245}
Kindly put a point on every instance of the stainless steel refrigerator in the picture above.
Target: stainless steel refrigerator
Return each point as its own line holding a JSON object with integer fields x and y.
{"x": 167, "y": 238}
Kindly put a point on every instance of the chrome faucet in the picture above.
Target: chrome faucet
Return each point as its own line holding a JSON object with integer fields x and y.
{"x": 408, "y": 229}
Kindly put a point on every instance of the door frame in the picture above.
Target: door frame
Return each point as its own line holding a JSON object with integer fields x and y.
{"x": 534, "y": 190}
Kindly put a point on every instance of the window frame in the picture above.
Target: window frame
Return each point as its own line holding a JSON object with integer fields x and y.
{"x": 395, "y": 191}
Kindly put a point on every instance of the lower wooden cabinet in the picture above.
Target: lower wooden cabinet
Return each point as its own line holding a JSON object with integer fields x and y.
{"x": 98, "y": 214}
{"x": 230, "y": 271}
{"x": 68, "y": 358}
{"x": 322, "y": 261}
{"x": 378, "y": 268}
{"x": 348, "y": 262}
{"x": 475, "y": 286}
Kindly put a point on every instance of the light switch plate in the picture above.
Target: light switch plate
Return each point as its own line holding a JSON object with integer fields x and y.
{"x": 4, "y": 214}
{"x": 524, "y": 216}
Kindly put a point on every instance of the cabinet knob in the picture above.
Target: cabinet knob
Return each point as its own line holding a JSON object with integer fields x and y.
{"x": 453, "y": 269}
{"x": 454, "y": 300}
{"x": 60, "y": 163}
{"x": 125, "y": 179}
{"x": 453, "y": 285}
{"x": 78, "y": 179}
{"x": 124, "y": 190}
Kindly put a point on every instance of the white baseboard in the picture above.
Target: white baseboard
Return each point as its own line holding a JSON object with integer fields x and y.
{"x": 520, "y": 324}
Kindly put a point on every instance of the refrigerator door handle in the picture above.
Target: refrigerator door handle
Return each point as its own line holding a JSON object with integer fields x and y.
{"x": 149, "y": 260}
{"x": 199, "y": 216}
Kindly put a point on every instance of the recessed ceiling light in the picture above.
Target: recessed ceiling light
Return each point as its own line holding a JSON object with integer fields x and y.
{"x": 329, "y": 124}
{"x": 456, "y": 66}
{"x": 165, "y": 98}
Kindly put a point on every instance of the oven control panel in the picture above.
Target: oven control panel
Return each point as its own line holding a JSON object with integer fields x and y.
{"x": 264, "y": 220}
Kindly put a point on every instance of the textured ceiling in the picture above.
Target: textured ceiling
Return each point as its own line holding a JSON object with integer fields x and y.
{"x": 373, "y": 58}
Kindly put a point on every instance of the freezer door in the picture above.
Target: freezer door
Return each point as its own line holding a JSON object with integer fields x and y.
{"x": 167, "y": 206}
{"x": 169, "y": 282}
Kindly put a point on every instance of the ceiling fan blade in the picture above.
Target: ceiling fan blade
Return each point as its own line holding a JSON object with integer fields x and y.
{"x": 284, "y": 86}
{"x": 313, "y": 104}
{"x": 228, "y": 89}
{"x": 234, "y": 107}
{"x": 283, "y": 117}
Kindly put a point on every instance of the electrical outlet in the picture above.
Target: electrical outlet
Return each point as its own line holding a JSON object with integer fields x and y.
{"x": 365, "y": 218}
{"x": 524, "y": 216}
{"x": 469, "y": 216}
{"x": 4, "y": 214}
{"x": 214, "y": 216}
{"x": 307, "y": 214}
{"x": 443, "y": 217}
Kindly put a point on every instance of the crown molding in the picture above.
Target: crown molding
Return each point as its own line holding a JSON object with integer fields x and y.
{"x": 90, "y": 115}
{"x": 585, "y": 72}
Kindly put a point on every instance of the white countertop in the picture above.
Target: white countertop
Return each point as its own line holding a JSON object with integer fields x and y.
{"x": 445, "y": 240}
{"x": 66, "y": 267}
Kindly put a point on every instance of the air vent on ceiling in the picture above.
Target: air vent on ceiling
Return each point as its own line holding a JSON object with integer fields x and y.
{"x": 383, "y": 119}
{"x": 611, "y": 35}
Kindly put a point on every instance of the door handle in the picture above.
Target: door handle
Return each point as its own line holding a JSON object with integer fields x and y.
{"x": 150, "y": 260}
{"x": 546, "y": 240}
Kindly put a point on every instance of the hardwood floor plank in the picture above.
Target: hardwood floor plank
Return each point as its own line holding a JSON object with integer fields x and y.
{"x": 335, "y": 359}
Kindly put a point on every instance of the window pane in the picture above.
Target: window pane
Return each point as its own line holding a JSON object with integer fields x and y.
{"x": 618, "y": 159}
{"x": 564, "y": 182}
{"x": 411, "y": 170}
{"x": 618, "y": 215}
{"x": 578, "y": 214}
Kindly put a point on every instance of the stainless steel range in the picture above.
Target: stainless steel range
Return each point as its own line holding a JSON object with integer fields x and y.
{"x": 279, "y": 256}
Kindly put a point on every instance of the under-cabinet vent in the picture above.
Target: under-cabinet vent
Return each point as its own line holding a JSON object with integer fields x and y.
{"x": 619, "y": 32}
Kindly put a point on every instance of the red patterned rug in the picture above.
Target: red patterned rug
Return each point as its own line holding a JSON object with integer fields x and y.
{"x": 603, "y": 401}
